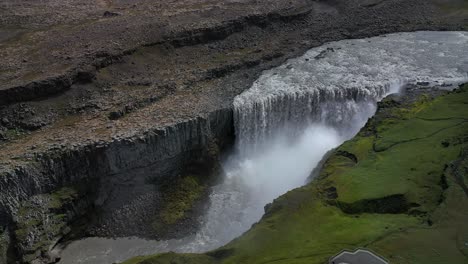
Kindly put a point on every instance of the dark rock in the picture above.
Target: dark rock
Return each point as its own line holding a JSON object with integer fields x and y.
{"x": 110, "y": 14}
{"x": 324, "y": 53}
{"x": 114, "y": 115}
{"x": 393, "y": 204}
{"x": 331, "y": 193}
{"x": 348, "y": 155}
{"x": 221, "y": 253}
{"x": 445, "y": 144}
{"x": 5, "y": 121}
{"x": 84, "y": 77}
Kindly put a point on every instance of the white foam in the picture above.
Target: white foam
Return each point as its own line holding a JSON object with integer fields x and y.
{"x": 350, "y": 70}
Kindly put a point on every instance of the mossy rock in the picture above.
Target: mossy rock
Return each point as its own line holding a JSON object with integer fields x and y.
{"x": 183, "y": 198}
{"x": 41, "y": 220}
{"x": 179, "y": 199}
{"x": 398, "y": 188}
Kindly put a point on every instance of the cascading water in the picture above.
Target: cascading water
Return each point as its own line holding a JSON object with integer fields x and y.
{"x": 331, "y": 83}
{"x": 287, "y": 121}
{"x": 259, "y": 121}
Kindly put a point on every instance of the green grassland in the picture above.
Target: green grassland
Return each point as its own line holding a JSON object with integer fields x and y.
{"x": 398, "y": 188}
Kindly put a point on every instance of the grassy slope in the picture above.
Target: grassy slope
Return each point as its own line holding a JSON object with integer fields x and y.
{"x": 411, "y": 153}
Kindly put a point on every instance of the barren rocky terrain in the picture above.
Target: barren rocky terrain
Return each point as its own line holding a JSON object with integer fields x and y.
{"x": 103, "y": 102}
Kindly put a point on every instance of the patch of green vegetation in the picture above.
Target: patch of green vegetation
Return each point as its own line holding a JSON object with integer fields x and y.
{"x": 453, "y": 5}
{"x": 446, "y": 240}
{"x": 305, "y": 230}
{"x": 174, "y": 258}
{"x": 14, "y": 133}
{"x": 419, "y": 167}
{"x": 41, "y": 219}
{"x": 457, "y": 9}
{"x": 182, "y": 197}
{"x": 63, "y": 196}
{"x": 411, "y": 145}
{"x": 179, "y": 199}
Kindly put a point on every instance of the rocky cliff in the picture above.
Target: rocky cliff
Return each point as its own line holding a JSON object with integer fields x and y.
{"x": 43, "y": 194}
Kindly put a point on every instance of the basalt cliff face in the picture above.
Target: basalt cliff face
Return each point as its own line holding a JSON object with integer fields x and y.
{"x": 118, "y": 182}
{"x": 103, "y": 104}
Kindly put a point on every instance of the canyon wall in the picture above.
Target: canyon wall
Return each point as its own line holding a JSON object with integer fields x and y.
{"x": 118, "y": 181}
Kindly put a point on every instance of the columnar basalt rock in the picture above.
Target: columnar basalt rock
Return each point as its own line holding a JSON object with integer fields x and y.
{"x": 118, "y": 180}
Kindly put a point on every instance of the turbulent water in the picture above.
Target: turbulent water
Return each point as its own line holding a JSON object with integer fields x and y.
{"x": 330, "y": 83}
{"x": 287, "y": 121}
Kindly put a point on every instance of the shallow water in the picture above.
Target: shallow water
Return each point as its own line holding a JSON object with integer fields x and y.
{"x": 289, "y": 119}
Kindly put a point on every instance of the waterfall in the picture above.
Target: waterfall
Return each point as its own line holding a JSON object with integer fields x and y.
{"x": 338, "y": 84}
{"x": 290, "y": 117}
{"x": 259, "y": 121}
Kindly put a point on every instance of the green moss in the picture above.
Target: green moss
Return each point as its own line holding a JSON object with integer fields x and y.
{"x": 14, "y": 133}
{"x": 454, "y": 9}
{"x": 360, "y": 147}
{"x": 40, "y": 220}
{"x": 173, "y": 258}
{"x": 452, "y": 6}
{"x": 62, "y": 196}
{"x": 179, "y": 199}
{"x": 398, "y": 159}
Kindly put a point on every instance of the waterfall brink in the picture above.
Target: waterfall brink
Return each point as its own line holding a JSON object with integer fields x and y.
{"x": 259, "y": 121}
{"x": 338, "y": 84}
